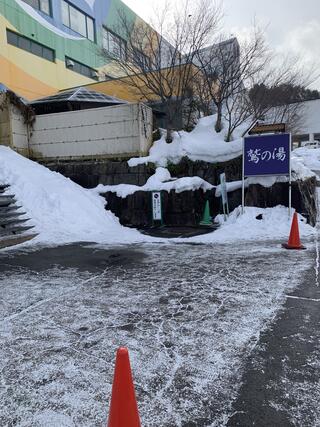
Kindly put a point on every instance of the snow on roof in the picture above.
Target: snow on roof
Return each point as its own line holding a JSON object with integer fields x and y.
{"x": 80, "y": 94}
{"x": 309, "y": 157}
{"x": 311, "y": 117}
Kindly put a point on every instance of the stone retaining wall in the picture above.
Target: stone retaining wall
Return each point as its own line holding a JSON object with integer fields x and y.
{"x": 187, "y": 208}
{"x": 303, "y": 197}
{"x": 108, "y": 172}
{"x": 89, "y": 174}
{"x": 136, "y": 210}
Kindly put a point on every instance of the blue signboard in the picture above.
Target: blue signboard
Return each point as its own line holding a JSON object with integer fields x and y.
{"x": 267, "y": 155}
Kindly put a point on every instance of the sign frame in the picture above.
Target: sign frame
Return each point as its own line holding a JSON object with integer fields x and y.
{"x": 156, "y": 211}
{"x": 262, "y": 137}
{"x": 261, "y": 128}
{"x": 281, "y": 174}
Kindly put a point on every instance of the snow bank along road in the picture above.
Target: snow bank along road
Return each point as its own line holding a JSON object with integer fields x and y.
{"x": 191, "y": 315}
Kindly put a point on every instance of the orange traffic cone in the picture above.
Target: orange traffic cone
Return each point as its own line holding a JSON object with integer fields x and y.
{"x": 123, "y": 407}
{"x": 294, "y": 238}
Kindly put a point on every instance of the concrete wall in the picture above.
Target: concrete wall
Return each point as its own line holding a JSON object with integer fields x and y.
{"x": 19, "y": 130}
{"x": 13, "y": 130}
{"x": 5, "y": 123}
{"x": 110, "y": 132}
{"x": 101, "y": 133}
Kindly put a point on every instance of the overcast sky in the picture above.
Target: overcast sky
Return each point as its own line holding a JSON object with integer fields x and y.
{"x": 292, "y": 25}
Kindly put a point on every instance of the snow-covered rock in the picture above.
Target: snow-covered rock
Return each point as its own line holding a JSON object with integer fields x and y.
{"x": 203, "y": 143}
{"x": 161, "y": 180}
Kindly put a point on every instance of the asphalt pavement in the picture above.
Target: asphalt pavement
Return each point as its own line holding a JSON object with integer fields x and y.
{"x": 281, "y": 381}
{"x": 218, "y": 335}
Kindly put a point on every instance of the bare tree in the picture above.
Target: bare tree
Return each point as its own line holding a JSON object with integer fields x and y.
{"x": 247, "y": 82}
{"x": 238, "y": 111}
{"x": 280, "y": 96}
{"x": 227, "y": 66}
{"x": 158, "y": 66}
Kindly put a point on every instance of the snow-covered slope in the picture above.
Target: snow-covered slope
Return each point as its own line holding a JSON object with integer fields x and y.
{"x": 61, "y": 210}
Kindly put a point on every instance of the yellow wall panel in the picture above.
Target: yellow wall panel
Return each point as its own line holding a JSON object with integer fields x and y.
{"x": 21, "y": 82}
{"x": 30, "y": 75}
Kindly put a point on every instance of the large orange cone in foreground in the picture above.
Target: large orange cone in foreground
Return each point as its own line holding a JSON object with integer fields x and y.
{"x": 123, "y": 407}
{"x": 294, "y": 238}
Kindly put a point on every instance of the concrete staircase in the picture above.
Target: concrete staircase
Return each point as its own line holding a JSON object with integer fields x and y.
{"x": 14, "y": 228}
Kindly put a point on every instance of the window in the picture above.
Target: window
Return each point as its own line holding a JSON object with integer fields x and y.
{"x": 30, "y": 46}
{"x": 141, "y": 60}
{"x": 81, "y": 68}
{"x": 42, "y": 5}
{"x": 114, "y": 44}
{"x": 78, "y": 21}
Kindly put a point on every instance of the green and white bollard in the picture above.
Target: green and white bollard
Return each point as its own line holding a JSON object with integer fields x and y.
{"x": 206, "y": 218}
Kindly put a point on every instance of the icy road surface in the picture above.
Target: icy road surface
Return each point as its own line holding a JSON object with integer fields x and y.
{"x": 190, "y": 315}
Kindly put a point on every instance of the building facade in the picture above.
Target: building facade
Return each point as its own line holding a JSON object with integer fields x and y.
{"x": 49, "y": 45}
{"x": 309, "y": 125}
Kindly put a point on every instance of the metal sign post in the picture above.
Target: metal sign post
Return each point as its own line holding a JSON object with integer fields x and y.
{"x": 242, "y": 191}
{"x": 267, "y": 155}
{"x": 224, "y": 195}
{"x": 290, "y": 187}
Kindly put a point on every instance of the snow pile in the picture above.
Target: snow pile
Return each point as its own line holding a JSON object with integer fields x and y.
{"x": 265, "y": 181}
{"x": 61, "y": 210}
{"x": 64, "y": 212}
{"x": 203, "y": 143}
{"x": 161, "y": 180}
{"x": 309, "y": 157}
{"x": 275, "y": 224}
{"x": 300, "y": 166}
{"x": 231, "y": 186}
